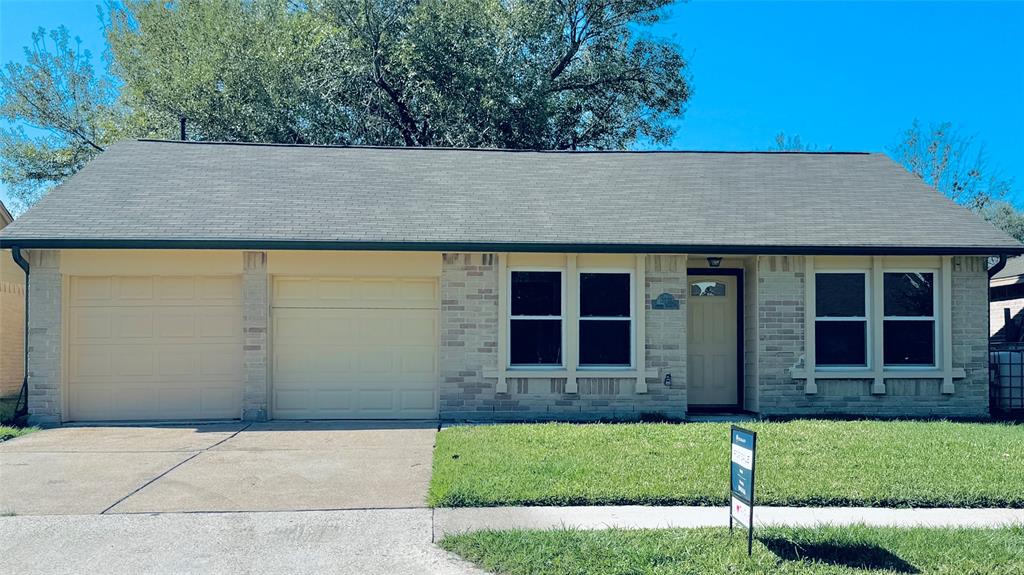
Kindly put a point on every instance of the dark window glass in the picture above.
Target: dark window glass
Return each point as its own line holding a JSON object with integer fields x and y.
{"x": 839, "y": 295}
{"x": 536, "y": 293}
{"x": 604, "y": 342}
{"x": 909, "y": 342}
{"x": 536, "y": 342}
{"x": 840, "y": 343}
{"x": 604, "y": 295}
{"x": 909, "y": 294}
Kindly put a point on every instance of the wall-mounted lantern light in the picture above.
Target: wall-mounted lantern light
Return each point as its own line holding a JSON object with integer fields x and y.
{"x": 714, "y": 262}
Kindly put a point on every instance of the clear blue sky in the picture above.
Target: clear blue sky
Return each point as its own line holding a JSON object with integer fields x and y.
{"x": 850, "y": 75}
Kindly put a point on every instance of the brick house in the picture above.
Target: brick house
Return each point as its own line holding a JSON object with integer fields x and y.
{"x": 188, "y": 281}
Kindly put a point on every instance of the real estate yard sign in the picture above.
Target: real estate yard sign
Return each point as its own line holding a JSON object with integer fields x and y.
{"x": 741, "y": 481}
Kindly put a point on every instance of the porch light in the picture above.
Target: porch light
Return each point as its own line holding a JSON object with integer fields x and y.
{"x": 714, "y": 262}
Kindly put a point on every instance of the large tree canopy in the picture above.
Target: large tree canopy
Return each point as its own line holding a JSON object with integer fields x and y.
{"x": 482, "y": 73}
{"x": 536, "y": 74}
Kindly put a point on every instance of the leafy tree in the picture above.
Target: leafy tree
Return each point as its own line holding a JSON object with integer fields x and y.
{"x": 71, "y": 113}
{"x": 483, "y": 73}
{"x": 952, "y": 163}
{"x": 1007, "y": 218}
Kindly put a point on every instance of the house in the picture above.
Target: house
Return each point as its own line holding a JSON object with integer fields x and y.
{"x": 179, "y": 280}
{"x": 12, "y": 319}
{"x": 1006, "y": 301}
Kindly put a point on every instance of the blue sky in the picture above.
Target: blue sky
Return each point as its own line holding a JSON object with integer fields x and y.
{"x": 845, "y": 75}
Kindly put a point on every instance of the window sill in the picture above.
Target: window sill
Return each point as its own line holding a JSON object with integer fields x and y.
{"x": 956, "y": 373}
{"x": 625, "y": 373}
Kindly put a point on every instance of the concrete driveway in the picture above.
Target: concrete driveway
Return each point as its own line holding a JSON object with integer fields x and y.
{"x": 218, "y": 467}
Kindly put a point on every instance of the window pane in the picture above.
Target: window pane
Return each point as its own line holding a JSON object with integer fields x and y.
{"x": 707, "y": 289}
{"x": 839, "y": 295}
{"x": 536, "y": 293}
{"x": 536, "y": 342}
{"x": 909, "y": 294}
{"x": 909, "y": 342}
{"x": 604, "y": 295}
{"x": 840, "y": 343}
{"x": 604, "y": 342}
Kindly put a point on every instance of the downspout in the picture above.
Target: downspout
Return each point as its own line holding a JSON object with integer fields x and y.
{"x": 21, "y": 408}
{"x": 998, "y": 267}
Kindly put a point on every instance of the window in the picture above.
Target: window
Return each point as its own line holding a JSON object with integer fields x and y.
{"x": 707, "y": 289}
{"x": 606, "y": 320}
{"x": 841, "y": 320}
{"x": 908, "y": 330}
{"x": 535, "y": 318}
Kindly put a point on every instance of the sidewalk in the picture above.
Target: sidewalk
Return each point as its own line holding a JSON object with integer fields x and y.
{"x": 455, "y": 520}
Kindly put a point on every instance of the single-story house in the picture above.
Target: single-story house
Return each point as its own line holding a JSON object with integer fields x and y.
{"x": 188, "y": 281}
{"x": 12, "y": 319}
{"x": 1006, "y": 302}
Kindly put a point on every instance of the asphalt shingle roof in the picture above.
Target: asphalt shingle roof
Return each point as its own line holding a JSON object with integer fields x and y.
{"x": 176, "y": 194}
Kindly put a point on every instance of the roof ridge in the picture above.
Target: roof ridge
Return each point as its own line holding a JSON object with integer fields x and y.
{"x": 509, "y": 150}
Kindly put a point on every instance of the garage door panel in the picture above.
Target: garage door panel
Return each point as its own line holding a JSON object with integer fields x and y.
{"x": 355, "y": 348}
{"x": 154, "y": 348}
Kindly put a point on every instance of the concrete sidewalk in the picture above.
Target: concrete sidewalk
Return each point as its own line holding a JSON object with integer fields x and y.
{"x": 459, "y": 520}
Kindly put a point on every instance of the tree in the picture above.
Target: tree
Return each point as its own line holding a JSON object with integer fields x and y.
{"x": 71, "y": 113}
{"x": 1005, "y": 217}
{"x": 784, "y": 143}
{"x": 952, "y": 163}
{"x": 484, "y": 73}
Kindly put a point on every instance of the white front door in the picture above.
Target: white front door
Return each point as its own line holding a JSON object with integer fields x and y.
{"x": 711, "y": 341}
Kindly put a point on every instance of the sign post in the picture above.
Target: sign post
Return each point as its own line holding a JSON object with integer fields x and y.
{"x": 741, "y": 481}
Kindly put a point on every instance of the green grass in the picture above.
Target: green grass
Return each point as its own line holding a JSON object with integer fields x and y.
{"x": 829, "y": 550}
{"x": 8, "y": 432}
{"x": 805, "y": 462}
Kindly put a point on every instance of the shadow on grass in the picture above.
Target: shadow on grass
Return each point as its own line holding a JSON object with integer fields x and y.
{"x": 852, "y": 555}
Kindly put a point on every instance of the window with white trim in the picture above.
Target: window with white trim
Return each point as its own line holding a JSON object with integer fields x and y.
{"x": 606, "y": 319}
{"x": 841, "y": 319}
{"x": 535, "y": 318}
{"x": 908, "y": 329}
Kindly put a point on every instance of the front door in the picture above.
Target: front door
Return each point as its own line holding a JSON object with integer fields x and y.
{"x": 712, "y": 374}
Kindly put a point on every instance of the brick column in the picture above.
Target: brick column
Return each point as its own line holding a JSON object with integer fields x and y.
{"x": 44, "y": 338}
{"x": 255, "y": 322}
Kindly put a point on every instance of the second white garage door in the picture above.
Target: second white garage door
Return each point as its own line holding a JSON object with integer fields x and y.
{"x": 355, "y": 348}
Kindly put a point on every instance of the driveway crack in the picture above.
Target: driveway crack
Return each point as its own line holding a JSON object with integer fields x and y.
{"x": 173, "y": 467}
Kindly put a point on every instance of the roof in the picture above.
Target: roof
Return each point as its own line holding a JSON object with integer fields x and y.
{"x": 5, "y": 216}
{"x": 1014, "y": 268}
{"x": 181, "y": 194}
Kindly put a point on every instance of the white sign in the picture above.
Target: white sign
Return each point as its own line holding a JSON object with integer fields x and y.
{"x": 740, "y": 512}
{"x": 742, "y": 456}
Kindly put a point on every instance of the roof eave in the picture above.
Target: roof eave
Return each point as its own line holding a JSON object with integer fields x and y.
{"x": 456, "y": 246}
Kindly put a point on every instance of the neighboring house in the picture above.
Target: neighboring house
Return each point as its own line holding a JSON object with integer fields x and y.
{"x": 1006, "y": 302}
{"x": 177, "y": 280}
{"x": 12, "y": 319}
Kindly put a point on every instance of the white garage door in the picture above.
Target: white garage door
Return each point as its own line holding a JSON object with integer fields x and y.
{"x": 354, "y": 348}
{"x": 154, "y": 347}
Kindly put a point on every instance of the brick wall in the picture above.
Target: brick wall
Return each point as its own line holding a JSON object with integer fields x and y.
{"x": 469, "y": 346}
{"x": 255, "y": 328}
{"x": 780, "y": 347}
{"x": 44, "y": 338}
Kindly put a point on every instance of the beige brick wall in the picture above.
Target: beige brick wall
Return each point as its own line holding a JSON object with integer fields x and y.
{"x": 12, "y": 325}
{"x": 44, "y": 337}
{"x": 255, "y": 328}
{"x": 469, "y": 330}
{"x": 780, "y": 347}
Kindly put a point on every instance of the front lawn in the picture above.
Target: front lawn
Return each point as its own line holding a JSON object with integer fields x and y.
{"x": 800, "y": 463}
{"x": 829, "y": 550}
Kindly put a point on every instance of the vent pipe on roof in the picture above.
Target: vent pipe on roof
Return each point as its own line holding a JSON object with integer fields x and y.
{"x": 182, "y": 123}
